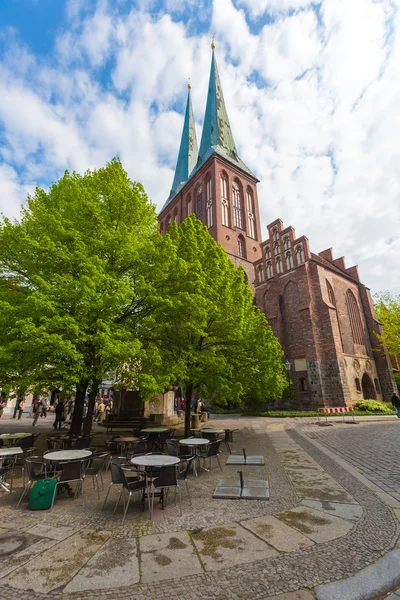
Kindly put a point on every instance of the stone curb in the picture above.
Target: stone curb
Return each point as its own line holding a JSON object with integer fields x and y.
{"x": 368, "y": 584}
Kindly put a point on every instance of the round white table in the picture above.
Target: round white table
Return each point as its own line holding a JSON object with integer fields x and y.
{"x": 196, "y": 444}
{"x": 9, "y": 437}
{"x": 154, "y": 429}
{"x": 61, "y": 455}
{"x": 211, "y": 430}
{"x": 10, "y": 451}
{"x": 4, "y": 452}
{"x": 154, "y": 460}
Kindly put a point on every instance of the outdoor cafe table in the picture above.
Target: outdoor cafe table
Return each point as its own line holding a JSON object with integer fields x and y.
{"x": 9, "y": 437}
{"x": 212, "y": 432}
{"x": 4, "y": 452}
{"x": 196, "y": 444}
{"x": 61, "y": 456}
{"x": 125, "y": 440}
{"x": 157, "y": 461}
{"x": 154, "y": 429}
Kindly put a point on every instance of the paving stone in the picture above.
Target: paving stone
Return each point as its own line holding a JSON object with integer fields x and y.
{"x": 61, "y": 532}
{"x": 18, "y": 559}
{"x": 168, "y": 555}
{"x": 300, "y": 595}
{"x": 115, "y": 565}
{"x": 220, "y": 547}
{"x": 277, "y": 534}
{"x": 315, "y": 525}
{"x": 59, "y": 564}
{"x": 350, "y": 512}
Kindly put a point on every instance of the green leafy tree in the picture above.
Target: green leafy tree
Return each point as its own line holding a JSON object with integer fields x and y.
{"x": 211, "y": 338}
{"x": 74, "y": 293}
{"x": 387, "y": 308}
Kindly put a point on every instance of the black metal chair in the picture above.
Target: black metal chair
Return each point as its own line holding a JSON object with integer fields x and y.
{"x": 132, "y": 485}
{"x": 139, "y": 448}
{"x": 173, "y": 450}
{"x": 116, "y": 479}
{"x": 152, "y": 440}
{"x": 50, "y": 444}
{"x": 82, "y": 442}
{"x": 183, "y": 471}
{"x": 167, "y": 480}
{"x": 72, "y": 471}
{"x": 211, "y": 452}
{"x": 32, "y": 475}
{"x": 163, "y": 436}
{"x": 5, "y": 470}
{"x": 94, "y": 467}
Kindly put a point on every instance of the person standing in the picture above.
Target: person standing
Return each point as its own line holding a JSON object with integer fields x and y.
{"x": 44, "y": 408}
{"x": 59, "y": 411}
{"x": 396, "y": 403}
{"x": 101, "y": 412}
{"x": 21, "y": 407}
{"x": 2, "y": 407}
{"x": 36, "y": 412}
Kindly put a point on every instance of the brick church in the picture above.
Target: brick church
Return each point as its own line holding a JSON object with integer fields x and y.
{"x": 319, "y": 310}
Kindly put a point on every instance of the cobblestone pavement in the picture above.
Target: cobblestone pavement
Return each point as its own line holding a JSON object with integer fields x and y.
{"x": 374, "y": 449}
{"x": 204, "y": 563}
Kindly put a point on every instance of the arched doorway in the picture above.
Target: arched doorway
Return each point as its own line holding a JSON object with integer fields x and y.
{"x": 368, "y": 387}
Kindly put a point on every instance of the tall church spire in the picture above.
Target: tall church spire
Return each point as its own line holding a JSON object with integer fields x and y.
{"x": 188, "y": 150}
{"x": 217, "y": 134}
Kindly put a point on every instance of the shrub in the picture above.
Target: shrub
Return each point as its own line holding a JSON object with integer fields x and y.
{"x": 374, "y": 406}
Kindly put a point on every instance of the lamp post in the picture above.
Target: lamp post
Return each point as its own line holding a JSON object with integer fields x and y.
{"x": 288, "y": 367}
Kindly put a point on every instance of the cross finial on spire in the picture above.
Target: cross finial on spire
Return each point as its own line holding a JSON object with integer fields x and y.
{"x": 212, "y": 43}
{"x": 189, "y": 85}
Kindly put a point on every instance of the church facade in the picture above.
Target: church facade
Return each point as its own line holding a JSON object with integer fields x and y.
{"x": 320, "y": 311}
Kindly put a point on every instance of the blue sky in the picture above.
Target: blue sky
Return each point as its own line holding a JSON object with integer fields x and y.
{"x": 312, "y": 92}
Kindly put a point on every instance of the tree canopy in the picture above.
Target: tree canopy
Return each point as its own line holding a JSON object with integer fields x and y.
{"x": 214, "y": 342}
{"x": 74, "y": 289}
{"x": 387, "y": 308}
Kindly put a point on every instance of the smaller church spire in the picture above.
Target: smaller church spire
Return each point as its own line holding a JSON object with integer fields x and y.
{"x": 188, "y": 150}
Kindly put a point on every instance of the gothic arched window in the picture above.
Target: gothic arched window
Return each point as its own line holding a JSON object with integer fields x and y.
{"x": 356, "y": 326}
{"x": 289, "y": 260}
{"x": 168, "y": 221}
{"x": 278, "y": 265}
{"x": 299, "y": 254}
{"x": 199, "y": 203}
{"x": 286, "y": 242}
{"x": 267, "y": 252}
{"x": 209, "y": 202}
{"x": 250, "y": 213}
{"x": 270, "y": 272}
{"x": 275, "y": 234}
{"x": 189, "y": 204}
{"x": 241, "y": 247}
{"x": 237, "y": 206}
{"x": 260, "y": 274}
{"x": 175, "y": 218}
{"x": 276, "y": 247}
{"x": 332, "y": 300}
{"x": 224, "y": 200}
{"x": 161, "y": 227}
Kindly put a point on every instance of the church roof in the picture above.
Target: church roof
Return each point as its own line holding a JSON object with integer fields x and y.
{"x": 217, "y": 134}
{"x": 188, "y": 151}
{"x": 216, "y": 137}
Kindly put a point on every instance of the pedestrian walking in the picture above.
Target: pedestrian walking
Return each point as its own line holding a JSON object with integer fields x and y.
{"x": 396, "y": 403}
{"x": 36, "y": 412}
{"x": 101, "y": 412}
{"x": 43, "y": 412}
{"x": 21, "y": 407}
{"x": 59, "y": 412}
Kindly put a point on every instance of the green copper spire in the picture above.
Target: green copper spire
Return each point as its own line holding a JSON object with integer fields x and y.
{"x": 217, "y": 134}
{"x": 188, "y": 151}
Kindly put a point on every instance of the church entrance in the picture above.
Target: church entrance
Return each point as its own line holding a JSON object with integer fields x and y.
{"x": 368, "y": 387}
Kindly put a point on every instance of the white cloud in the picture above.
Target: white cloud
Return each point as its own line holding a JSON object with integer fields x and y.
{"x": 322, "y": 135}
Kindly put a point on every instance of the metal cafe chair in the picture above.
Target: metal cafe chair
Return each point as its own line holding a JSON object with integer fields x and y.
{"x": 32, "y": 475}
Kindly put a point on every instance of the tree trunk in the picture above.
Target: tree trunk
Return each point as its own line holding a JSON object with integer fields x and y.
{"x": 87, "y": 423}
{"x": 188, "y": 408}
{"x": 76, "y": 425}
